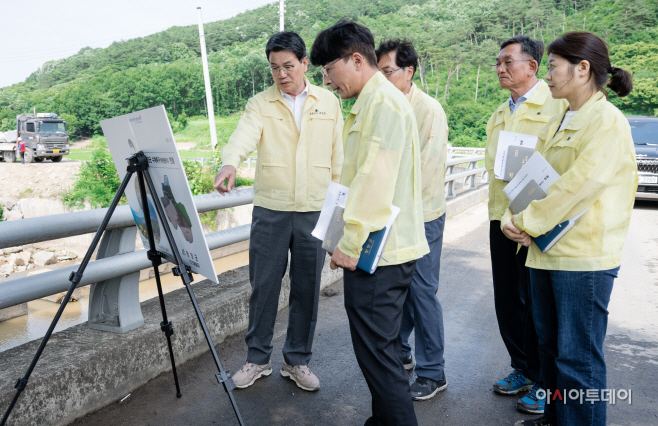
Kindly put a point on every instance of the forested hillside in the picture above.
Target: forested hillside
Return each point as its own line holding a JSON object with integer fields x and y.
{"x": 457, "y": 40}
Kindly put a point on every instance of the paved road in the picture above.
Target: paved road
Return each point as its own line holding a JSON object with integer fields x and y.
{"x": 475, "y": 355}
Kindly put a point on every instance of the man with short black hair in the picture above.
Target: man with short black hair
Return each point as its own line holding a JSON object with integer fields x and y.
{"x": 527, "y": 110}
{"x": 381, "y": 169}
{"x": 297, "y": 129}
{"x": 422, "y": 310}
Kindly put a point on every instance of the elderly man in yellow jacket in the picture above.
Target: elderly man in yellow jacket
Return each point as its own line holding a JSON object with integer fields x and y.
{"x": 528, "y": 109}
{"x": 422, "y": 310}
{"x": 297, "y": 129}
{"x": 382, "y": 168}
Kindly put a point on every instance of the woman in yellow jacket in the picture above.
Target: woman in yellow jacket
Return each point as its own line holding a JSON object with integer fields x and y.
{"x": 590, "y": 146}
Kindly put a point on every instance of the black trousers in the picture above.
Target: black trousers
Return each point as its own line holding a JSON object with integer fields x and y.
{"x": 511, "y": 281}
{"x": 374, "y": 308}
{"x": 273, "y": 233}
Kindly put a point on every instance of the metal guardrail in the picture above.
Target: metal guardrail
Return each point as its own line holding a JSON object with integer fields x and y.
{"x": 25, "y": 231}
{"x": 470, "y": 174}
{"x": 21, "y": 290}
{"x": 463, "y": 151}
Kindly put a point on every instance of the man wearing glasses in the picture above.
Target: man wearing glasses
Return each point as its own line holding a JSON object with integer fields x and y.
{"x": 527, "y": 110}
{"x": 382, "y": 168}
{"x": 422, "y": 310}
{"x": 297, "y": 129}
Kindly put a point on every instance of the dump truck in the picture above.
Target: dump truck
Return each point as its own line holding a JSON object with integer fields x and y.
{"x": 45, "y": 136}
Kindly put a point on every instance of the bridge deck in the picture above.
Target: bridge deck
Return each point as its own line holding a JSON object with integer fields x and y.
{"x": 475, "y": 355}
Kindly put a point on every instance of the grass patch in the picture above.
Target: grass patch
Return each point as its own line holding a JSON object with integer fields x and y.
{"x": 79, "y": 154}
{"x": 26, "y": 193}
{"x": 198, "y": 130}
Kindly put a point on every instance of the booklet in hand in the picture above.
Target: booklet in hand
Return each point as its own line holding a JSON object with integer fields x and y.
{"x": 535, "y": 169}
{"x": 505, "y": 140}
{"x": 331, "y": 226}
{"x": 531, "y": 183}
{"x": 548, "y": 240}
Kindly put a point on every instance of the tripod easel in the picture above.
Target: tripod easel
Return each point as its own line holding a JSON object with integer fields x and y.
{"x": 138, "y": 164}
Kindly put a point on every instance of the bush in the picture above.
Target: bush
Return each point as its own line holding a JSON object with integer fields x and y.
{"x": 201, "y": 179}
{"x": 97, "y": 181}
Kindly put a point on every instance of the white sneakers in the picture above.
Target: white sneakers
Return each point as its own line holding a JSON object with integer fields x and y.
{"x": 249, "y": 373}
{"x": 300, "y": 374}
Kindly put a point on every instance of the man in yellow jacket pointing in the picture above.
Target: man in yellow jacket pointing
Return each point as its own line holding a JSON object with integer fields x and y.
{"x": 297, "y": 130}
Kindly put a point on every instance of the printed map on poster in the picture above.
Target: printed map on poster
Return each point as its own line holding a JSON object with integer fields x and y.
{"x": 149, "y": 131}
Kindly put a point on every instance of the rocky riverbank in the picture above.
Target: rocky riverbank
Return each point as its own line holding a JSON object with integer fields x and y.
{"x": 24, "y": 258}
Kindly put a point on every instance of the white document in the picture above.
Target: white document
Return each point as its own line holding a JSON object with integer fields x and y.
{"x": 505, "y": 140}
{"x": 149, "y": 131}
{"x": 336, "y": 196}
{"x": 537, "y": 169}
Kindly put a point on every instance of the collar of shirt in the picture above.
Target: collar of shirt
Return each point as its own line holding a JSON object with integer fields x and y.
{"x": 411, "y": 90}
{"x": 376, "y": 80}
{"x": 513, "y": 105}
{"x": 296, "y": 105}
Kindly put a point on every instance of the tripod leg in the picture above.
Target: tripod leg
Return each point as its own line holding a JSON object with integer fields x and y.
{"x": 223, "y": 377}
{"x": 75, "y": 279}
{"x": 156, "y": 261}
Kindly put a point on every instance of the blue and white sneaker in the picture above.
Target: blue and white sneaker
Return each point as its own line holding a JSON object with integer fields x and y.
{"x": 531, "y": 403}
{"x": 514, "y": 383}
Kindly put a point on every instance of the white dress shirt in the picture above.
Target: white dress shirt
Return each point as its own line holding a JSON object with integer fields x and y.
{"x": 296, "y": 105}
{"x": 513, "y": 105}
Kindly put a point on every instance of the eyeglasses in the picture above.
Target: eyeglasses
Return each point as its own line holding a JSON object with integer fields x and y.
{"x": 287, "y": 69}
{"x": 325, "y": 70}
{"x": 505, "y": 65}
{"x": 388, "y": 73}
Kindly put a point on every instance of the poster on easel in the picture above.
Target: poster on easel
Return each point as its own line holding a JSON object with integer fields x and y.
{"x": 149, "y": 131}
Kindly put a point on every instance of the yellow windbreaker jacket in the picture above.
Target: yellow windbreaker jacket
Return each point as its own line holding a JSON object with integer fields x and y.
{"x": 529, "y": 118}
{"x": 595, "y": 157}
{"x": 382, "y": 168}
{"x": 433, "y": 136}
{"x": 294, "y": 167}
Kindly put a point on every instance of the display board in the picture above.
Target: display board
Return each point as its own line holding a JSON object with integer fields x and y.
{"x": 149, "y": 131}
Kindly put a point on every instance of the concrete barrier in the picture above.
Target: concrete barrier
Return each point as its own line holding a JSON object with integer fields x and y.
{"x": 82, "y": 370}
{"x": 466, "y": 200}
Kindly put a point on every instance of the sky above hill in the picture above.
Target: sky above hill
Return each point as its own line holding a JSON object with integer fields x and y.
{"x": 37, "y": 31}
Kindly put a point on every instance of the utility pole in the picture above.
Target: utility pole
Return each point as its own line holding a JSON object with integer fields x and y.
{"x": 281, "y": 13}
{"x": 206, "y": 78}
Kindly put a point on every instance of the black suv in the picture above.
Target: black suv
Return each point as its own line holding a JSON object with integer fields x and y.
{"x": 645, "y": 136}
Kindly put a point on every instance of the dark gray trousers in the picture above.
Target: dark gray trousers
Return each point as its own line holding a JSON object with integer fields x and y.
{"x": 374, "y": 308}
{"x": 273, "y": 233}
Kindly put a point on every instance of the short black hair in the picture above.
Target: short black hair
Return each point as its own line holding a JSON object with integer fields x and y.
{"x": 286, "y": 40}
{"x": 406, "y": 55}
{"x": 342, "y": 39}
{"x": 534, "y": 48}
